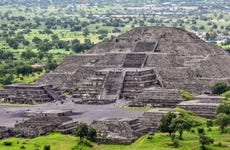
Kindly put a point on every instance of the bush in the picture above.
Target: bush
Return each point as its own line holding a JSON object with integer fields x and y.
{"x": 23, "y": 147}
{"x": 220, "y": 88}
{"x": 192, "y": 131}
{"x": 209, "y": 123}
{"x": 7, "y": 143}
{"x": 205, "y": 140}
{"x": 149, "y": 137}
{"x": 46, "y": 147}
{"x": 200, "y": 130}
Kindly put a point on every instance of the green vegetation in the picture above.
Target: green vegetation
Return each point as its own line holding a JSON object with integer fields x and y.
{"x": 44, "y": 32}
{"x": 137, "y": 108}
{"x": 166, "y": 123}
{"x": 226, "y": 95}
{"x": 220, "y": 88}
{"x": 83, "y": 131}
{"x": 159, "y": 141}
{"x": 186, "y": 95}
{"x": 223, "y": 116}
{"x": 19, "y": 105}
{"x": 196, "y": 120}
{"x": 205, "y": 140}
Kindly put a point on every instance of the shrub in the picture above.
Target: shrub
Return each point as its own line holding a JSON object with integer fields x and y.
{"x": 92, "y": 134}
{"x": 220, "y": 88}
{"x": 209, "y": 123}
{"x": 200, "y": 130}
{"x": 192, "y": 131}
{"x": 46, "y": 147}
{"x": 205, "y": 140}
{"x": 7, "y": 143}
{"x": 149, "y": 137}
{"x": 23, "y": 147}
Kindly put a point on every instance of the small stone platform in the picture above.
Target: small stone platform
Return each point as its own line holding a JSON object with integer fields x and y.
{"x": 203, "y": 105}
{"x": 29, "y": 93}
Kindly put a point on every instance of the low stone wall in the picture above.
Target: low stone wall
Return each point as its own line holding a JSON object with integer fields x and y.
{"x": 5, "y": 132}
{"x": 151, "y": 119}
{"x": 38, "y": 126}
{"x": 29, "y": 94}
{"x": 114, "y": 130}
{"x": 203, "y": 109}
{"x": 157, "y": 97}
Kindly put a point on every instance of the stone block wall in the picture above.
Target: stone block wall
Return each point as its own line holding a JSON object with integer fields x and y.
{"x": 29, "y": 94}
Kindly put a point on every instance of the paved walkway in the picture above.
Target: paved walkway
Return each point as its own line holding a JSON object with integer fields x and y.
{"x": 9, "y": 115}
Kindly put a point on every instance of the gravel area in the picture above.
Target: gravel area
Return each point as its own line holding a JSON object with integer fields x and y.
{"x": 9, "y": 115}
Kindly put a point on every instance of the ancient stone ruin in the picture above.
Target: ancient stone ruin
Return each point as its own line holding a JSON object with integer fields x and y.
{"x": 29, "y": 94}
{"x": 143, "y": 67}
{"x": 38, "y": 126}
{"x": 203, "y": 105}
{"x": 146, "y": 65}
{"x": 126, "y": 131}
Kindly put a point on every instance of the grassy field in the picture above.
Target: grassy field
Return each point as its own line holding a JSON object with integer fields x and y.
{"x": 160, "y": 141}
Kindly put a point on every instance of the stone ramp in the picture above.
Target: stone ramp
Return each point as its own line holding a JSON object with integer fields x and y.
{"x": 137, "y": 80}
{"x": 91, "y": 87}
{"x": 113, "y": 85}
{"x": 53, "y": 93}
{"x": 134, "y": 60}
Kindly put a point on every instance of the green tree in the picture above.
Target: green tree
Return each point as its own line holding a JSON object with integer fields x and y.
{"x": 92, "y": 134}
{"x": 166, "y": 121}
{"x": 54, "y": 37}
{"x": 7, "y": 79}
{"x": 220, "y": 88}
{"x": 223, "y": 121}
{"x": 24, "y": 69}
{"x": 205, "y": 140}
{"x": 13, "y": 43}
{"x": 85, "y": 32}
{"x": 77, "y": 46}
{"x": 6, "y": 55}
{"x": 82, "y": 130}
{"x": 209, "y": 124}
{"x": 36, "y": 40}
{"x": 180, "y": 124}
{"x": 223, "y": 108}
{"x": 28, "y": 54}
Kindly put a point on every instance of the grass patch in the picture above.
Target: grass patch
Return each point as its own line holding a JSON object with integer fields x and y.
{"x": 136, "y": 108}
{"x": 188, "y": 115}
{"x": 55, "y": 140}
{"x": 17, "y": 105}
{"x": 226, "y": 94}
{"x": 186, "y": 95}
{"x": 160, "y": 141}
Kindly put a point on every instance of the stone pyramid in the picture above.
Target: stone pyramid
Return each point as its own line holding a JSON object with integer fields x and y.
{"x": 141, "y": 62}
